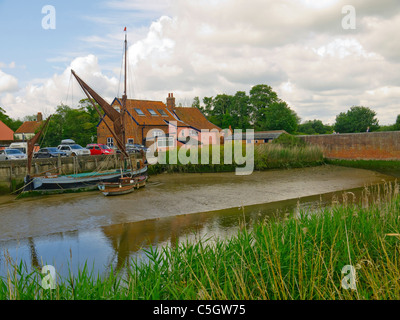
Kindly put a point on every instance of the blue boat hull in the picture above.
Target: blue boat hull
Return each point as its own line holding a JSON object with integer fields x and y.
{"x": 75, "y": 182}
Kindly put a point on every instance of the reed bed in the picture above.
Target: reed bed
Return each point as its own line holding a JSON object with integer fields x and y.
{"x": 292, "y": 257}
{"x": 266, "y": 156}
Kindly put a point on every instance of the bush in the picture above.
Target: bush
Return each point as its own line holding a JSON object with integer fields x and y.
{"x": 289, "y": 141}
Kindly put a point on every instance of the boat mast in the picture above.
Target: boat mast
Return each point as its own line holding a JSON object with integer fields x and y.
{"x": 31, "y": 144}
{"x": 124, "y": 97}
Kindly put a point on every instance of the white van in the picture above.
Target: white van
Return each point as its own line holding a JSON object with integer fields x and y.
{"x": 21, "y": 146}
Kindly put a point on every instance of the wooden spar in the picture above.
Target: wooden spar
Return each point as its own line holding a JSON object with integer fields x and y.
{"x": 124, "y": 97}
{"x": 31, "y": 145}
{"x": 113, "y": 114}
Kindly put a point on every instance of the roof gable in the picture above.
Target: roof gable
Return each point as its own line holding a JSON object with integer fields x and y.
{"x": 194, "y": 117}
{"x": 29, "y": 127}
{"x": 5, "y": 132}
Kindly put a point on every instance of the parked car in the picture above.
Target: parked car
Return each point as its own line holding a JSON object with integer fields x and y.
{"x": 98, "y": 149}
{"x": 135, "y": 148}
{"x": 51, "y": 152}
{"x": 72, "y": 149}
{"x": 12, "y": 154}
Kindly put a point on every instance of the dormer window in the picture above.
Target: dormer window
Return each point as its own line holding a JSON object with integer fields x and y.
{"x": 158, "y": 133}
{"x": 162, "y": 112}
{"x": 152, "y": 112}
{"x": 139, "y": 112}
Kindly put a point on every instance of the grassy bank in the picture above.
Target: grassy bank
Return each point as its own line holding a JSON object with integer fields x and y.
{"x": 295, "y": 257}
{"x": 390, "y": 167}
{"x": 367, "y": 164}
{"x": 268, "y": 156}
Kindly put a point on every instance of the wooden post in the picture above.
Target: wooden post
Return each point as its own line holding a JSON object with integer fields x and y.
{"x": 59, "y": 165}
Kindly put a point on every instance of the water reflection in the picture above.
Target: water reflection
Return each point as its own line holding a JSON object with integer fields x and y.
{"x": 115, "y": 245}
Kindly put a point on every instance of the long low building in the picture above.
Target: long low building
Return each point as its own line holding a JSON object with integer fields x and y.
{"x": 260, "y": 137}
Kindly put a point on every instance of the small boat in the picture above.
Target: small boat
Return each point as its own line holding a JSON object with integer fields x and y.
{"x": 124, "y": 186}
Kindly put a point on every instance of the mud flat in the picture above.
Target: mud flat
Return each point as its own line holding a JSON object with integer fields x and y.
{"x": 169, "y": 195}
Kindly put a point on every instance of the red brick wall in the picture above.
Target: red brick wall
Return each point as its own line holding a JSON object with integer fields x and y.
{"x": 359, "y": 146}
{"x": 132, "y": 131}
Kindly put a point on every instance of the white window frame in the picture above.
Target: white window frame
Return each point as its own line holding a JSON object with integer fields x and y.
{"x": 110, "y": 141}
{"x": 164, "y": 140}
{"x": 158, "y": 133}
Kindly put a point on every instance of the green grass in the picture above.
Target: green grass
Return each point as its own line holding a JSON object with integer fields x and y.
{"x": 389, "y": 167}
{"x": 367, "y": 164}
{"x": 298, "y": 256}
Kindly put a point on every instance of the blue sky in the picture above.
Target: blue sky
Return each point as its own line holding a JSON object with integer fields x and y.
{"x": 204, "y": 48}
{"x": 38, "y": 53}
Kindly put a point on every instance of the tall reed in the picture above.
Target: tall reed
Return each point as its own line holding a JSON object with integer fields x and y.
{"x": 298, "y": 256}
{"x": 266, "y": 156}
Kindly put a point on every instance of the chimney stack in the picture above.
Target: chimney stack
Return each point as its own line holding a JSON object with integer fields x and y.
{"x": 39, "y": 117}
{"x": 170, "y": 102}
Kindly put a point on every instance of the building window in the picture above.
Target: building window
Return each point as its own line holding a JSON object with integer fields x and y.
{"x": 162, "y": 112}
{"x": 193, "y": 133}
{"x": 165, "y": 142}
{"x": 152, "y": 112}
{"x": 110, "y": 142}
{"x": 130, "y": 141}
{"x": 158, "y": 133}
{"x": 139, "y": 112}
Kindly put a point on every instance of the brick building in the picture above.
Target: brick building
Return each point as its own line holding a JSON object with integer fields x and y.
{"x": 28, "y": 129}
{"x": 148, "y": 122}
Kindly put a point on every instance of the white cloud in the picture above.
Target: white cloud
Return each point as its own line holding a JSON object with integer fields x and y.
{"x": 8, "y": 83}
{"x": 45, "y": 94}
{"x": 203, "y": 48}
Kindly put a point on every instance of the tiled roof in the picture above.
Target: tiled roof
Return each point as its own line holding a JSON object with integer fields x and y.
{"x": 29, "y": 127}
{"x": 140, "y": 112}
{"x": 194, "y": 118}
{"x": 5, "y": 132}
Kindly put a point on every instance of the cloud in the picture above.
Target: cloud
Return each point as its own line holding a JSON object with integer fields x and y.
{"x": 8, "y": 83}
{"x": 203, "y": 48}
{"x": 46, "y": 94}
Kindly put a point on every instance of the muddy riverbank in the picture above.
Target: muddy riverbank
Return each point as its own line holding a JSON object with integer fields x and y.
{"x": 168, "y": 195}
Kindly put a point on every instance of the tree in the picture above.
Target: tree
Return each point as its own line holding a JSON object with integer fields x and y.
{"x": 278, "y": 116}
{"x": 261, "y": 97}
{"x": 357, "y": 119}
{"x": 78, "y": 124}
{"x": 241, "y": 110}
{"x": 208, "y": 102}
{"x": 314, "y": 127}
{"x": 397, "y": 124}
{"x": 262, "y": 110}
{"x": 9, "y": 122}
{"x": 196, "y": 103}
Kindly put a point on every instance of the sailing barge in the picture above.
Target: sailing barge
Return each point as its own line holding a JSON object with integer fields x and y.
{"x": 91, "y": 181}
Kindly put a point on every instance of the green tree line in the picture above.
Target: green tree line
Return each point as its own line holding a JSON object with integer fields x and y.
{"x": 263, "y": 110}
{"x": 78, "y": 124}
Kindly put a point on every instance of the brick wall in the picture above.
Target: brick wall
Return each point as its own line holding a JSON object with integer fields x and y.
{"x": 359, "y": 146}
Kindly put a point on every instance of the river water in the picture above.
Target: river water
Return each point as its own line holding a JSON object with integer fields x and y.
{"x": 70, "y": 229}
